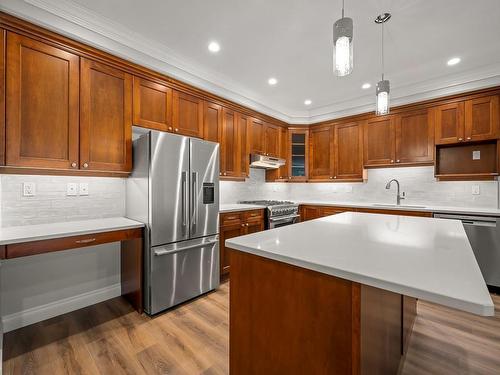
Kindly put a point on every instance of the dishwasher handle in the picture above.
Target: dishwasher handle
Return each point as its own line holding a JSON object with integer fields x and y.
{"x": 480, "y": 221}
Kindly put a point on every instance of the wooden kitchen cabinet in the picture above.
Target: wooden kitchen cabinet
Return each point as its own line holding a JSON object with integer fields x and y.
{"x": 470, "y": 120}
{"x": 187, "y": 114}
{"x": 481, "y": 118}
{"x": 280, "y": 174}
{"x": 105, "y": 118}
{"x": 298, "y": 154}
{"x": 243, "y": 130}
{"x": 415, "y": 137}
{"x": 234, "y": 224}
{"x": 378, "y": 147}
{"x": 212, "y": 121}
{"x": 2, "y": 97}
{"x": 42, "y": 105}
{"x": 152, "y": 105}
{"x": 272, "y": 140}
{"x": 321, "y": 158}
{"x": 348, "y": 152}
{"x": 229, "y": 145}
{"x": 257, "y": 134}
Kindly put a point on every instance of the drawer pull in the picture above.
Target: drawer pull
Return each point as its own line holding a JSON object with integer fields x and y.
{"x": 87, "y": 240}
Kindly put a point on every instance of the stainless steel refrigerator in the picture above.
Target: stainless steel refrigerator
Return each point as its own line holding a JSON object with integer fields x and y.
{"x": 174, "y": 190}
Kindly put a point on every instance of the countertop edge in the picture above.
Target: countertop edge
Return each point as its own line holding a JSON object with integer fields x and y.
{"x": 474, "y": 308}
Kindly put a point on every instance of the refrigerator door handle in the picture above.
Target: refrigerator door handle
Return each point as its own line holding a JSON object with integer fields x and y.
{"x": 184, "y": 200}
{"x": 190, "y": 247}
{"x": 194, "y": 200}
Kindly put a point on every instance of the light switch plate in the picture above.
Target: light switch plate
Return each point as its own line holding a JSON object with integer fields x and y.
{"x": 72, "y": 189}
{"x": 84, "y": 188}
{"x": 29, "y": 189}
{"x": 476, "y": 190}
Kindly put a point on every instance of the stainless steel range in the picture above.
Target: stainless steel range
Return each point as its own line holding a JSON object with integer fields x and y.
{"x": 278, "y": 213}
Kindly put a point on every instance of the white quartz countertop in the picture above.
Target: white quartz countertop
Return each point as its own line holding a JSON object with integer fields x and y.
{"x": 234, "y": 207}
{"x": 403, "y": 207}
{"x": 420, "y": 257}
{"x": 26, "y": 233}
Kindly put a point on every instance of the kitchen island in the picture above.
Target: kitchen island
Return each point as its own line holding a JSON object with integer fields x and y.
{"x": 337, "y": 295}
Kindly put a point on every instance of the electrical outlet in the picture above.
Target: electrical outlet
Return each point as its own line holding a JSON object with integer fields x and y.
{"x": 72, "y": 189}
{"x": 29, "y": 189}
{"x": 84, "y": 188}
{"x": 476, "y": 190}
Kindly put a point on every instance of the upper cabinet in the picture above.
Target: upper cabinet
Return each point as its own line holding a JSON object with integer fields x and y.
{"x": 152, "y": 105}
{"x": 470, "y": 120}
{"x": 187, "y": 114}
{"x": 272, "y": 140}
{"x": 257, "y": 134}
{"x": 321, "y": 160}
{"x": 298, "y": 154}
{"x": 415, "y": 137}
{"x": 405, "y": 138}
{"x": 105, "y": 118}
{"x": 378, "y": 145}
{"x": 348, "y": 152}
{"x": 2, "y": 96}
{"x": 212, "y": 122}
{"x": 230, "y": 145}
{"x": 243, "y": 129}
{"x": 42, "y": 108}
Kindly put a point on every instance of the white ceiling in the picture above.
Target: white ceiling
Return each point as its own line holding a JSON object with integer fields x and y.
{"x": 292, "y": 41}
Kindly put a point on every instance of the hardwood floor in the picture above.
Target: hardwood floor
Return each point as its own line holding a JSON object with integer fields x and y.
{"x": 111, "y": 338}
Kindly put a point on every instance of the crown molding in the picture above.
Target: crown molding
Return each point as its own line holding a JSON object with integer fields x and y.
{"x": 71, "y": 19}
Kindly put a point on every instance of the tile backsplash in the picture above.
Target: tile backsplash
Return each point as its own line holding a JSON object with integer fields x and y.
{"x": 418, "y": 183}
{"x": 51, "y": 204}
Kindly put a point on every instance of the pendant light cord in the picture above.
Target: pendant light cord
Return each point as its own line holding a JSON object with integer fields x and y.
{"x": 383, "y": 51}
{"x": 342, "y": 8}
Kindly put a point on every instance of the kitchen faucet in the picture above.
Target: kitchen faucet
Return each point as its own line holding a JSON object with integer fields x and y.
{"x": 399, "y": 196}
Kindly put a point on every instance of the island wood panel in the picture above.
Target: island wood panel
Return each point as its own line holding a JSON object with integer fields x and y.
{"x": 481, "y": 118}
{"x": 409, "y": 314}
{"x": 310, "y": 212}
{"x": 2, "y": 96}
{"x": 331, "y": 325}
{"x": 415, "y": 137}
{"x": 321, "y": 158}
{"x": 449, "y": 126}
{"x": 379, "y": 141}
{"x": 348, "y": 152}
{"x": 105, "y": 118}
{"x": 42, "y": 105}
{"x": 394, "y": 212}
{"x": 152, "y": 105}
{"x": 187, "y": 114}
{"x": 212, "y": 121}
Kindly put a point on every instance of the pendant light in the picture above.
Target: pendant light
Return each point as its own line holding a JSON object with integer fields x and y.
{"x": 342, "y": 45}
{"x": 383, "y": 86}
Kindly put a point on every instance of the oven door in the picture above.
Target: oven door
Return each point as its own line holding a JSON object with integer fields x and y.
{"x": 276, "y": 222}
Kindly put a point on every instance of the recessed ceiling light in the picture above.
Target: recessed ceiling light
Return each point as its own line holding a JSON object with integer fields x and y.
{"x": 366, "y": 86}
{"x": 272, "y": 81}
{"x": 308, "y": 102}
{"x": 453, "y": 61}
{"x": 214, "y": 47}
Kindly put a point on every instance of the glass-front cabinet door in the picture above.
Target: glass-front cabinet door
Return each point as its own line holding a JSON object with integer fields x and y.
{"x": 297, "y": 163}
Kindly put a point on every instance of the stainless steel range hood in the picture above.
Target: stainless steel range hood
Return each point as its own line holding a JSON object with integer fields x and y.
{"x": 265, "y": 162}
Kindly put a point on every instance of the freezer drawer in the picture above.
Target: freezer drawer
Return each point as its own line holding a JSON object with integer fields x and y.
{"x": 182, "y": 271}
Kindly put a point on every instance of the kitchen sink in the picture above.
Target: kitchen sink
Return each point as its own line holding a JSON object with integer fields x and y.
{"x": 395, "y": 205}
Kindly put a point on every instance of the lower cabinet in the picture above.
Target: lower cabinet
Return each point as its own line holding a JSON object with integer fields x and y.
{"x": 235, "y": 224}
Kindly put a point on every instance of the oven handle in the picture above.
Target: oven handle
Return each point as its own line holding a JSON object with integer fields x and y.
{"x": 286, "y": 218}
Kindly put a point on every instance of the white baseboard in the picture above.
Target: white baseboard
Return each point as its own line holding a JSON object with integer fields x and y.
{"x": 63, "y": 306}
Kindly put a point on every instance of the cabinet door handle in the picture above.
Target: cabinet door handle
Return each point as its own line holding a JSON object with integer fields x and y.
{"x": 397, "y": 161}
{"x": 460, "y": 139}
{"x": 85, "y": 165}
{"x": 469, "y": 138}
{"x": 176, "y": 130}
{"x": 74, "y": 164}
{"x": 334, "y": 176}
{"x": 87, "y": 240}
{"x": 242, "y": 225}
{"x": 246, "y": 224}
{"x": 392, "y": 161}
{"x": 169, "y": 128}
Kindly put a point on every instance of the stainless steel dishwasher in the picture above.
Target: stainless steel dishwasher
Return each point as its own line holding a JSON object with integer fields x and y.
{"x": 484, "y": 237}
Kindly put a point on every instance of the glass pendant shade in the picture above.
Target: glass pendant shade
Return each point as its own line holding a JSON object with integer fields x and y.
{"x": 383, "y": 97}
{"x": 342, "y": 46}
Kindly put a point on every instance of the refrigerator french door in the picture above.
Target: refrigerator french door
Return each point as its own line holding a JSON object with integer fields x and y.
{"x": 177, "y": 179}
